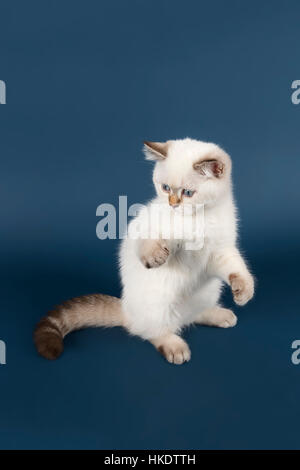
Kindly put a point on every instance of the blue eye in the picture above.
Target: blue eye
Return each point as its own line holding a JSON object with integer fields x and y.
{"x": 166, "y": 188}
{"x": 188, "y": 192}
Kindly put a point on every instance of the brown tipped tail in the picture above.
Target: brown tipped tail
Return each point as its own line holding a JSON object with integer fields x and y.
{"x": 48, "y": 339}
{"x": 79, "y": 312}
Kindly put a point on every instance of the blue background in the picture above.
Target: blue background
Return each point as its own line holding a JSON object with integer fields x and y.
{"x": 87, "y": 82}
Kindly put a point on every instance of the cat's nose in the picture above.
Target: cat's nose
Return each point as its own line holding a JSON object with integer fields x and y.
{"x": 174, "y": 200}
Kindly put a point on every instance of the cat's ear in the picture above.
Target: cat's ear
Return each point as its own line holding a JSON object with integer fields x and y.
{"x": 156, "y": 151}
{"x": 210, "y": 168}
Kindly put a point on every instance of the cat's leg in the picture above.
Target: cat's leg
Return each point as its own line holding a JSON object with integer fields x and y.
{"x": 217, "y": 316}
{"x": 173, "y": 348}
{"x": 204, "y": 307}
{"x": 153, "y": 253}
{"x": 229, "y": 266}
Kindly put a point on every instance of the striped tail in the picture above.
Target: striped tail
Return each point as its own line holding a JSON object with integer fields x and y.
{"x": 76, "y": 313}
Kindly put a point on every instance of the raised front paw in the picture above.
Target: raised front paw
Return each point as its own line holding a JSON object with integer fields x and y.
{"x": 154, "y": 253}
{"x": 242, "y": 288}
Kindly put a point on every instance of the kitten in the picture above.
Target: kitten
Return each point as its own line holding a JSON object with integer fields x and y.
{"x": 165, "y": 285}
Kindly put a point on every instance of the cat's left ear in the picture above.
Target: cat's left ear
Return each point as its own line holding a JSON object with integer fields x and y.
{"x": 156, "y": 151}
{"x": 215, "y": 165}
{"x": 210, "y": 168}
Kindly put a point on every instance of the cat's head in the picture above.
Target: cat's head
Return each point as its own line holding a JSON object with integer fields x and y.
{"x": 189, "y": 171}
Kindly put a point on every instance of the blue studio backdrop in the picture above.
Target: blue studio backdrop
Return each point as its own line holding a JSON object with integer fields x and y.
{"x": 86, "y": 83}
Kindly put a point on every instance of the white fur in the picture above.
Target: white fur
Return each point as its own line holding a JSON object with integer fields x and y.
{"x": 162, "y": 300}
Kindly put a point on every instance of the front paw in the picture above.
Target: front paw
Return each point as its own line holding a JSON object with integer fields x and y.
{"x": 242, "y": 288}
{"x": 154, "y": 254}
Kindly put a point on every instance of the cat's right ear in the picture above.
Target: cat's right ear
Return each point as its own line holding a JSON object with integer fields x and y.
{"x": 156, "y": 151}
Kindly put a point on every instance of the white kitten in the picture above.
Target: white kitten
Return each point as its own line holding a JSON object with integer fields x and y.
{"x": 167, "y": 286}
